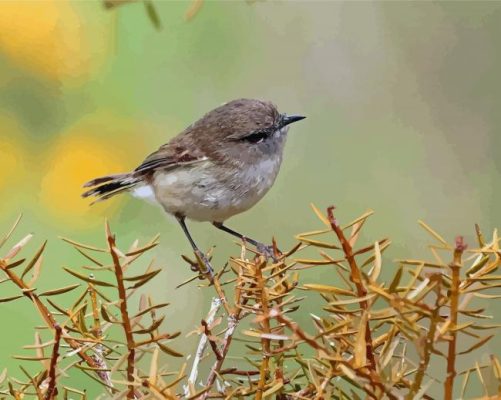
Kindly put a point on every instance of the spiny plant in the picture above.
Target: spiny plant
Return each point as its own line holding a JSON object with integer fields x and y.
{"x": 375, "y": 336}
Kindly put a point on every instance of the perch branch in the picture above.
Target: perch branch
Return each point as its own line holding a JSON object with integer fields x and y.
{"x": 356, "y": 278}
{"x": 212, "y": 342}
{"x": 455, "y": 267}
{"x": 265, "y": 342}
{"x": 126, "y": 325}
{"x": 429, "y": 339}
{"x": 47, "y": 316}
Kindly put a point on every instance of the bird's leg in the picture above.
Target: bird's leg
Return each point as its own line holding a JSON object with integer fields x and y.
{"x": 262, "y": 248}
{"x": 210, "y": 270}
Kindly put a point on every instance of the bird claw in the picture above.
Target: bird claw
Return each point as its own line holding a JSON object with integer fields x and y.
{"x": 266, "y": 250}
{"x": 209, "y": 271}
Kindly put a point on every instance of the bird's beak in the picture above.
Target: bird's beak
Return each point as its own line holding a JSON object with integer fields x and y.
{"x": 289, "y": 119}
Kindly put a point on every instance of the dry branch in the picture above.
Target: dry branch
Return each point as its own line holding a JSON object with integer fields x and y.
{"x": 125, "y": 322}
{"x": 371, "y": 338}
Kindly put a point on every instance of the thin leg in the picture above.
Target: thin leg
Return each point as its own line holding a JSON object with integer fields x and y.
{"x": 220, "y": 225}
{"x": 261, "y": 247}
{"x": 181, "y": 220}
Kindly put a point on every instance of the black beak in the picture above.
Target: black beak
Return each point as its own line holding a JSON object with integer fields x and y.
{"x": 289, "y": 119}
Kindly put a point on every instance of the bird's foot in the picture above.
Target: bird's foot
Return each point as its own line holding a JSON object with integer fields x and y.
{"x": 203, "y": 266}
{"x": 267, "y": 250}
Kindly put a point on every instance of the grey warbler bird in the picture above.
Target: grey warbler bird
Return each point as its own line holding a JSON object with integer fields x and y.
{"x": 218, "y": 167}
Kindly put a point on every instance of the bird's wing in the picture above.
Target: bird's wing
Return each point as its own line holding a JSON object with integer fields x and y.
{"x": 171, "y": 155}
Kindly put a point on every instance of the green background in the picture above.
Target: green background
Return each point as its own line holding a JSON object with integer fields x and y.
{"x": 402, "y": 100}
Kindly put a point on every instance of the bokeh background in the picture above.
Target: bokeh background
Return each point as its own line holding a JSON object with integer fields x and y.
{"x": 402, "y": 100}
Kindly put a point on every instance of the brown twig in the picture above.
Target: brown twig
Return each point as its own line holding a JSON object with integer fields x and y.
{"x": 235, "y": 371}
{"x": 356, "y": 278}
{"x": 228, "y": 337}
{"x": 265, "y": 325}
{"x": 126, "y": 325}
{"x": 212, "y": 342}
{"x": 46, "y": 315}
{"x": 455, "y": 267}
{"x": 294, "y": 327}
{"x": 426, "y": 348}
{"x": 338, "y": 350}
{"x": 52, "y": 388}
{"x": 98, "y": 355}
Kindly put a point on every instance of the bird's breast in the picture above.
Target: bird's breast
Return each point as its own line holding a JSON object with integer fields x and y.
{"x": 213, "y": 191}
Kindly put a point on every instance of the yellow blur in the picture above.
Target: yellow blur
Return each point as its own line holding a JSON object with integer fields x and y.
{"x": 50, "y": 38}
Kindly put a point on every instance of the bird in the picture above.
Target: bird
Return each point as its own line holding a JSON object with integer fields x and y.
{"x": 218, "y": 167}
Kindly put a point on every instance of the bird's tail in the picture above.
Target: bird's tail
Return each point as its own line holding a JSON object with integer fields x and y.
{"x": 108, "y": 186}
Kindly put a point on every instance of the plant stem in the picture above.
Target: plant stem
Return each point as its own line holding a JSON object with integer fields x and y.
{"x": 127, "y": 328}
{"x": 356, "y": 278}
{"x": 455, "y": 267}
{"x": 228, "y": 337}
{"x": 47, "y": 316}
{"x": 98, "y": 333}
{"x": 52, "y": 389}
{"x": 427, "y": 347}
{"x": 265, "y": 343}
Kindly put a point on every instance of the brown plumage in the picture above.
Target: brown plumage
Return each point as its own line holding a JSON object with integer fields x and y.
{"x": 204, "y": 139}
{"x": 217, "y": 167}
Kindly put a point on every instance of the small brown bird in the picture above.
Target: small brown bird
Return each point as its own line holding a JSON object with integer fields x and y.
{"x": 219, "y": 166}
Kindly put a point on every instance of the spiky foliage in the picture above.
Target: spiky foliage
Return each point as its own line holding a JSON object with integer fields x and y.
{"x": 376, "y": 335}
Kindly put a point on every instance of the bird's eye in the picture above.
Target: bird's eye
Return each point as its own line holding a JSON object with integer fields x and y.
{"x": 256, "y": 137}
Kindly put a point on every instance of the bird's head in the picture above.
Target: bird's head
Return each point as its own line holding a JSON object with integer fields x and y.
{"x": 248, "y": 124}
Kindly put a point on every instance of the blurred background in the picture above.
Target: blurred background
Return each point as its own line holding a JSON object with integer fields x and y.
{"x": 402, "y": 100}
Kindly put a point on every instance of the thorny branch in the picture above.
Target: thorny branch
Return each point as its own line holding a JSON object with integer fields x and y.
{"x": 47, "y": 316}
{"x": 228, "y": 337}
{"x": 359, "y": 347}
{"x": 455, "y": 267}
{"x": 425, "y": 347}
{"x": 99, "y": 349}
{"x": 265, "y": 341}
{"x": 125, "y": 321}
{"x": 356, "y": 278}
{"x": 52, "y": 389}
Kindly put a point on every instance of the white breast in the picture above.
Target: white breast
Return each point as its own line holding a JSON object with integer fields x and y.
{"x": 207, "y": 192}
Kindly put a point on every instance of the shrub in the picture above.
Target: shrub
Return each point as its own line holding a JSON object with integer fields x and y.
{"x": 371, "y": 338}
